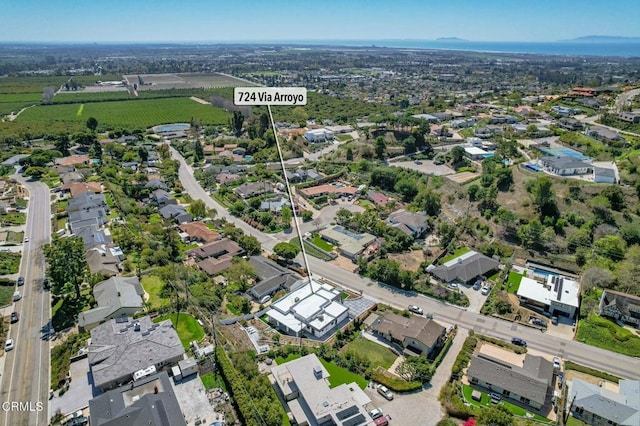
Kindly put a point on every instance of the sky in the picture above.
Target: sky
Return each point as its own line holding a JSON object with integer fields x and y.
{"x": 82, "y": 21}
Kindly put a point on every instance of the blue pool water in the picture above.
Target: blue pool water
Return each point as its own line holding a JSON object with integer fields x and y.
{"x": 542, "y": 272}
{"x": 171, "y": 127}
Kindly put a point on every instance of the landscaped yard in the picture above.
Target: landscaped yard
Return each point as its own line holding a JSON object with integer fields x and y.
{"x": 572, "y": 421}
{"x": 9, "y": 263}
{"x": 513, "y": 282}
{"x": 13, "y": 219}
{"x": 6, "y": 294}
{"x": 210, "y": 381}
{"x": 337, "y": 375}
{"x": 310, "y": 249}
{"x": 187, "y": 327}
{"x": 15, "y": 237}
{"x": 377, "y": 355}
{"x": 184, "y": 247}
{"x": 155, "y": 218}
{"x": 486, "y": 401}
{"x": 458, "y": 252}
{"x": 153, "y": 286}
{"x": 603, "y": 333}
{"x": 318, "y": 241}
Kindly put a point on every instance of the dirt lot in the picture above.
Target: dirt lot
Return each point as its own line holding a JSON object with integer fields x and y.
{"x": 409, "y": 261}
{"x": 463, "y": 177}
{"x": 345, "y": 263}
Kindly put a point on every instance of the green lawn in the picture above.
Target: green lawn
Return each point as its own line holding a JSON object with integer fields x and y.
{"x": 290, "y": 357}
{"x": 6, "y": 294}
{"x": 311, "y": 249}
{"x": 153, "y": 286}
{"x": 9, "y": 263}
{"x": 211, "y": 380}
{"x": 15, "y": 237}
{"x": 606, "y": 334}
{"x": 184, "y": 247}
{"x": 155, "y": 218}
{"x": 318, "y": 241}
{"x": 486, "y": 401}
{"x": 513, "y": 282}
{"x": 187, "y": 327}
{"x": 458, "y": 252}
{"x": 572, "y": 421}
{"x": 13, "y": 219}
{"x": 377, "y": 354}
{"x": 61, "y": 205}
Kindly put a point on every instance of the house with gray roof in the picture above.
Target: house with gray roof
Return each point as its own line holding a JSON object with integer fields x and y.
{"x": 157, "y": 184}
{"x": 303, "y": 384}
{"x": 150, "y": 401}
{"x": 162, "y": 197}
{"x": 175, "y": 212}
{"x": 464, "y": 268}
{"x": 529, "y": 384}
{"x": 599, "y": 406}
{"x": 272, "y": 277}
{"x": 410, "y": 223}
{"x": 605, "y": 135}
{"x": 564, "y": 166}
{"x": 351, "y": 244}
{"x": 253, "y": 189}
{"x": 115, "y": 297}
{"x": 122, "y": 346}
{"x": 604, "y": 175}
{"x": 92, "y": 236}
{"x": 87, "y": 201}
{"x": 419, "y": 336}
{"x": 620, "y": 306}
{"x": 274, "y": 205}
{"x": 104, "y": 260}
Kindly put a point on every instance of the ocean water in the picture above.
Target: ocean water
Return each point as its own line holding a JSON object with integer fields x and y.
{"x": 609, "y": 48}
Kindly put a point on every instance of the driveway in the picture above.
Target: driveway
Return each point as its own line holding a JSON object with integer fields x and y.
{"x": 80, "y": 391}
{"x": 193, "y": 400}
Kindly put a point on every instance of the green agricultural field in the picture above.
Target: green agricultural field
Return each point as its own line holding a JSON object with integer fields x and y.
{"x": 14, "y": 102}
{"x": 30, "y": 84}
{"x": 122, "y": 114}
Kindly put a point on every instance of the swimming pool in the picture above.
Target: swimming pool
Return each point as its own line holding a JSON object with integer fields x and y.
{"x": 542, "y": 272}
{"x": 171, "y": 128}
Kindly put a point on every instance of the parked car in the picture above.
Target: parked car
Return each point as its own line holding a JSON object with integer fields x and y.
{"x": 375, "y": 413}
{"x": 26, "y": 239}
{"x": 20, "y": 281}
{"x": 485, "y": 290}
{"x": 556, "y": 363}
{"x": 14, "y": 317}
{"x": 519, "y": 342}
{"x": 477, "y": 284}
{"x": 415, "y": 309}
{"x": 17, "y": 296}
{"x": 453, "y": 285}
{"x": 554, "y": 320}
{"x": 9, "y": 345}
{"x": 46, "y": 284}
{"x": 384, "y": 391}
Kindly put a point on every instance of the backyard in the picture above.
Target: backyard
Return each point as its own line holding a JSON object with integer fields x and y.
{"x": 187, "y": 327}
{"x": 458, "y": 252}
{"x": 337, "y": 375}
{"x": 9, "y": 263}
{"x": 318, "y": 241}
{"x": 377, "y": 355}
{"x": 603, "y": 333}
{"x": 513, "y": 282}
{"x": 153, "y": 286}
{"x": 485, "y": 401}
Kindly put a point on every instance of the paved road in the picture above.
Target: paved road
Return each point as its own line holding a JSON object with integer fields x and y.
{"x": 621, "y": 365}
{"x": 26, "y": 369}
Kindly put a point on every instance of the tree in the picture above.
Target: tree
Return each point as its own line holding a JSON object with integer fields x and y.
{"x": 286, "y": 250}
{"x": 457, "y": 154}
{"x": 495, "y": 416}
{"x": 409, "y": 144}
{"x": 307, "y": 215}
{"x": 67, "y": 264}
{"x": 198, "y": 151}
{"x": 35, "y": 172}
{"x": 237, "y": 120}
{"x": 615, "y": 196}
{"x": 198, "y": 209}
{"x": 249, "y": 244}
{"x": 63, "y": 144}
{"x": 285, "y": 215}
{"x": 596, "y": 277}
{"x": 415, "y": 368}
{"x": 544, "y": 197}
{"x": 92, "y": 124}
{"x": 349, "y": 154}
{"x": 380, "y": 147}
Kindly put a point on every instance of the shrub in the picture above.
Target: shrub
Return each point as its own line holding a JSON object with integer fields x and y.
{"x": 395, "y": 384}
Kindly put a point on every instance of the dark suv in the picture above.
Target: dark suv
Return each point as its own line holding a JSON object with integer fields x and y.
{"x": 20, "y": 281}
{"x": 519, "y": 342}
{"x": 45, "y": 284}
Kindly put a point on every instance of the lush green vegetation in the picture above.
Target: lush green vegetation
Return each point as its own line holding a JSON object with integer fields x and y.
{"x": 118, "y": 114}
{"x": 61, "y": 355}
{"x": 377, "y": 355}
{"x": 9, "y": 263}
{"x": 318, "y": 241}
{"x": 457, "y": 252}
{"x": 6, "y": 292}
{"x": 154, "y": 286}
{"x": 339, "y": 375}
{"x": 603, "y": 333}
{"x": 486, "y": 402}
{"x": 513, "y": 282}
{"x": 187, "y": 327}
{"x": 311, "y": 249}
{"x": 212, "y": 380}
{"x": 10, "y": 219}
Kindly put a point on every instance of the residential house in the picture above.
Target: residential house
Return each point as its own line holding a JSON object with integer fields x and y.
{"x": 413, "y": 224}
{"x": 605, "y": 174}
{"x": 419, "y": 336}
{"x": 429, "y": 118}
{"x": 275, "y": 205}
{"x": 216, "y": 256}
{"x": 87, "y": 201}
{"x": 565, "y": 110}
{"x": 156, "y": 184}
{"x": 600, "y": 406}
{"x": 227, "y": 178}
{"x": 115, "y": 297}
{"x": 630, "y": 117}
{"x": 104, "y": 260}
{"x": 474, "y": 153}
{"x": 91, "y": 235}
{"x": 131, "y": 165}
{"x": 199, "y": 232}
{"x": 150, "y": 401}
{"x": 582, "y": 91}
{"x": 319, "y": 135}
{"x": 571, "y": 124}
{"x": 73, "y": 160}
{"x": 69, "y": 177}
{"x": 122, "y": 346}
{"x": 378, "y": 198}
{"x": 253, "y": 189}
{"x": 462, "y": 123}
{"x": 313, "y": 308}
{"x": 605, "y": 135}
{"x": 304, "y": 385}
{"x": 482, "y": 132}
{"x": 162, "y": 198}
{"x": 465, "y": 268}
{"x": 350, "y": 244}
{"x": 271, "y": 277}
{"x": 564, "y": 166}
{"x": 620, "y": 306}
{"x": 557, "y": 295}
{"x": 503, "y": 119}
{"x": 528, "y": 384}
{"x": 175, "y": 212}
{"x": 77, "y": 188}
{"x": 338, "y": 189}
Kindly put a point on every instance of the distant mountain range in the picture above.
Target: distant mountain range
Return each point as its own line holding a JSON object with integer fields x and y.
{"x": 603, "y": 39}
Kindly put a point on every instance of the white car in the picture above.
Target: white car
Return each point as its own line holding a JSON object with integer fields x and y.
{"x": 26, "y": 239}
{"x": 384, "y": 391}
{"x": 485, "y": 290}
{"x": 8, "y": 345}
{"x": 415, "y": 309}
{"x": 453, "y": 285}
{"x": 556, "y": 363}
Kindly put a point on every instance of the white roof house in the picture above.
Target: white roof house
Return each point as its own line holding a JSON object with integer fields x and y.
{"x": 314, "y": 308}
{"x": 319, "y": 135}
{"x": 475, "y": 153}
{"x": 558, "y": 295}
